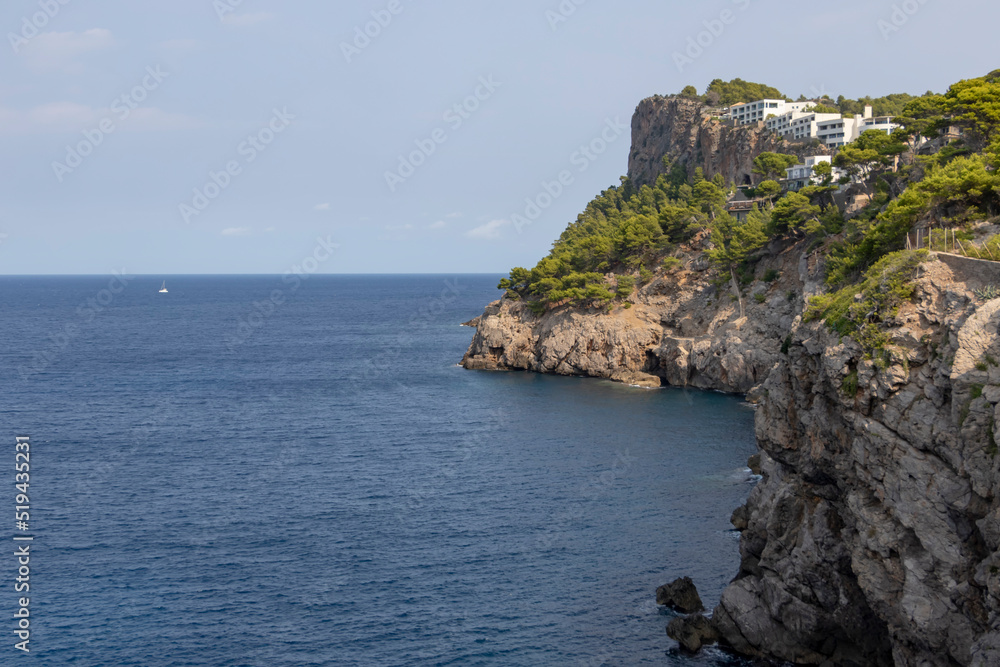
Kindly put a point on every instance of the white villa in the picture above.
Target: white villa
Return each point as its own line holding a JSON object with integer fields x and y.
{"x": 801, "y": 175}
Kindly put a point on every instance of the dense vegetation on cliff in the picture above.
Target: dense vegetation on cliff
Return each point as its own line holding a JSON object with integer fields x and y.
{"x": 624, "y": 230}
{"x": 948, "y": 189}
{"x": 627, "y": 233}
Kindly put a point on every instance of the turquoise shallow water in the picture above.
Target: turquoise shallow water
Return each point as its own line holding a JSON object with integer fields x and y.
{"x": 316, "y": 482}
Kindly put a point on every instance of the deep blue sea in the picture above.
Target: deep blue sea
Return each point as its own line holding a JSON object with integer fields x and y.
{"x": 246, "y": 471}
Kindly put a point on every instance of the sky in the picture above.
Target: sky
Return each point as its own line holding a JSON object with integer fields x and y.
{"x": 387, "y": 136}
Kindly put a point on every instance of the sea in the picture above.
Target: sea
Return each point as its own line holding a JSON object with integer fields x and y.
{"x": 268, "y": 471}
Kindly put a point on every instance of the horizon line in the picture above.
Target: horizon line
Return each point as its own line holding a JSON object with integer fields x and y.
{"x": 240, "y": 275}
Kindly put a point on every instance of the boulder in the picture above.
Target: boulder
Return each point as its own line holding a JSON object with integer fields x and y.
{"x": 740, "y": 518}
{"x": 680, "y": 595}
{"x": 692, "y": 632}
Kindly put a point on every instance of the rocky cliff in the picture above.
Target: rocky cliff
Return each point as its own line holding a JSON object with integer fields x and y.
{"x": 683, "y": 129}
{"x": 874, "y": 535}
{"x": 874, "y": 538}
{"x": 681, "y": 329}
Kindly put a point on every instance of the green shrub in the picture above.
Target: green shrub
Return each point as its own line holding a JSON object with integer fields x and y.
{"x": 759, "y": 297}
{"x": 625, "y": 286}
{"x": 787, "y": 344}
{"x": 987, "y": 293}
{"x": 671, "y": 264}
{"x": 771, "y": 275}
{"x": 886, "y": 285}
{"x": 537, "y": 307}
{"x": 849, "y": 387}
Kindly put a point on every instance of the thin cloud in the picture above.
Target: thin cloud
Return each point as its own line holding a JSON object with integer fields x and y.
{"x": 398, "y": 228}
{"x": 488, "y": 232}
{"x": 62, "y": 117}
{"x": 454, "y": 215}
{"x": 440, "y": 224}
{"x": 52, "y": 117}
{"x": 59, "y": 50}
{"x": 236, "y": 231}
{"x": 322, "y": 207}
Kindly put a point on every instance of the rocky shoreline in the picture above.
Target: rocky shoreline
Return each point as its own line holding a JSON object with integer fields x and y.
{"x": 873, "y": 537}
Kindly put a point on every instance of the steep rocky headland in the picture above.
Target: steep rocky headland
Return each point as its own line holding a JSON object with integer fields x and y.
{"x": 679, "y": 127}
{"x": 874, "y": 535}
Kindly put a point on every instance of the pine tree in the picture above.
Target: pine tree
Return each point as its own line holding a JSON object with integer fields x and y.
{"x": 734, "y": 241}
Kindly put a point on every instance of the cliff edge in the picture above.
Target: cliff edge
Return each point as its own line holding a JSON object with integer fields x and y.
{"x": 873, "y": 537}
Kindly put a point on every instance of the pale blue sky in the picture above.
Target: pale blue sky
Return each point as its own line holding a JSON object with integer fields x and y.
{"x": 204, "y": 80}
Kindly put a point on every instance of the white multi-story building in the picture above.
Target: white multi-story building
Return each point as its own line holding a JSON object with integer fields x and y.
{"x": 830, "y": 128}
{"x": 760, "y": 110}
{"x": 806, "y": 125}
{"x": 836, "y": 132}
{"x": 801, "y": 175}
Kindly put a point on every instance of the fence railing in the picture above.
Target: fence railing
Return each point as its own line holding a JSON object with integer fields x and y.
{"x": 950, "y": 240}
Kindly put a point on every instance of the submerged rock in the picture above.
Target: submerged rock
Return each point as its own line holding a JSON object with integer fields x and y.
{"x": 680, "y": 595}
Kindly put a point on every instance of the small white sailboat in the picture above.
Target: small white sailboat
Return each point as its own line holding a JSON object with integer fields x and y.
{"x": 163, "y": 290}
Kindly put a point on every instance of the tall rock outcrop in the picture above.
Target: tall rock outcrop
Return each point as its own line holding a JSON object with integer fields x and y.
{"x": 873, "y": 537}
{"x": 682, "y": 128}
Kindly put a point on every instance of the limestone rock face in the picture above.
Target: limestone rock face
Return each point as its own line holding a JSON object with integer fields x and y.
{"x": 682, "y": 128}
{"x": 872, "y": 537}
{"x": 681, "y": 330}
